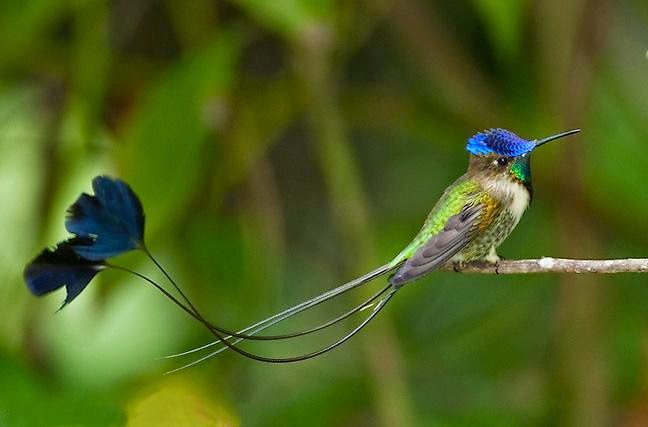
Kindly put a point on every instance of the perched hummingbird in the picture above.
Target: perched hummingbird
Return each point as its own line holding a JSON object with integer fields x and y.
{"x": 471, "y": 219}
{"x": 479, "y": 210}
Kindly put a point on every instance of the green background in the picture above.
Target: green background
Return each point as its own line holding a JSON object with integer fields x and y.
{"x": 282, "y": 147}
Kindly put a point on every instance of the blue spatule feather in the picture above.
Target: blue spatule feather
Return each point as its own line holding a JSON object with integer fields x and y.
{"x": 62, "y": 266}
{"x": 105, "y": 224}
{"x": 112, "y": 218}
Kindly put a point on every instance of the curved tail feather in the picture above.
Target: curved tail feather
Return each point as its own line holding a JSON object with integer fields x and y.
{"x": 299, "y": 358}
{"x": 303, "y": 306}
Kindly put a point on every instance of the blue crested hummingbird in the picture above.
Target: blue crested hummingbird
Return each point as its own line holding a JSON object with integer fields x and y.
{"x": 471, "y": 219}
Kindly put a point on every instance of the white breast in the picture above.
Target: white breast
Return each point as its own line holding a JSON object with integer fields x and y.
{"x": 513, "y": 194}
{"x": 521, "y": 199}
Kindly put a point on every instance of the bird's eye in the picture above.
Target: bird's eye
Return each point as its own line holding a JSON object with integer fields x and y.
{"x": 502, "y": 161}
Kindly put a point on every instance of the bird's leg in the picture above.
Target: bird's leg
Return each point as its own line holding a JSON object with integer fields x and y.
{"x": 493, "y": 259}
{"x": 497, "y": 263}
{"x": 458, "y": 264}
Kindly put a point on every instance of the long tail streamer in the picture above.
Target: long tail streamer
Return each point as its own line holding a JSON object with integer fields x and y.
{"x": 326, "y": 349}
{"x": 249, "y": 333}
{"x": 303, "y": 306}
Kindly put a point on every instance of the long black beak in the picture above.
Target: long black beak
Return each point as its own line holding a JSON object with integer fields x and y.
{"x": 556, "y": 136}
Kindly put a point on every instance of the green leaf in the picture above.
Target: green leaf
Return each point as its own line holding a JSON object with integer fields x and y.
{"x": 26, "y": 400}
{"x": 292, "y": 18}
{"x": 164, "y": 145}
{"x": 21, "y": 170}
{"x": 23, "y": 22}
{"x": 503, "y": 20}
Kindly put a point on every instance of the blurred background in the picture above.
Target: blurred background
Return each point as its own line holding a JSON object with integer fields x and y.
{"x": 282, "y": 147}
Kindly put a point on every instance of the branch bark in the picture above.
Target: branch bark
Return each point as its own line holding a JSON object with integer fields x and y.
{"x": 555, "y": 265}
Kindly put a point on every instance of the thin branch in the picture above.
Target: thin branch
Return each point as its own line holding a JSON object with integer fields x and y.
{"x": 555, "y": 265}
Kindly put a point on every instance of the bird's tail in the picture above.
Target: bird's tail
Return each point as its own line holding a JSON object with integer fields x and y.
{"x": 250, "y": 332}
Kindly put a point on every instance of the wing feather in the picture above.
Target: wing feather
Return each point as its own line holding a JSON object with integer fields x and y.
{"x": 456, "y": 234}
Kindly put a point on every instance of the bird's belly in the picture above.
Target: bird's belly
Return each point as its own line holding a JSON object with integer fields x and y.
{"x": 482, "y": 247}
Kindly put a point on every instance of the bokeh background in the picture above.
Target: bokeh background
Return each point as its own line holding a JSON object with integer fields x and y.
{"x": 282, "y": 147}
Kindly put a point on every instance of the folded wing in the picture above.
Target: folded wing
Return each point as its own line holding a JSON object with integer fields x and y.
{"x": 457, "y": 233}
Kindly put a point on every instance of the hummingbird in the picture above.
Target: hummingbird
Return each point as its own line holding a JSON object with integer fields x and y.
{"x": 468, "y": 223}
{"x": 475, "y": 214}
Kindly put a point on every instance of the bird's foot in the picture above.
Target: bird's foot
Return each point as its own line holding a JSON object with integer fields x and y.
{"x": 490, "y": 261}
{"x": 493, "y": 259}
{"x": 458, "y": 266}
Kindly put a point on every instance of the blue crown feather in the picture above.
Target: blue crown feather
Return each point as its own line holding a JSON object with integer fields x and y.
{"x": 499, "y": 141}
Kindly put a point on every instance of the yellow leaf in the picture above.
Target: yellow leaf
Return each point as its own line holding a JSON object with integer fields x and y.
{"x": 178, "y": 403}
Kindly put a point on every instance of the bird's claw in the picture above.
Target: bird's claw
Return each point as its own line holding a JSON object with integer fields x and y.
{"x": 457, "y": 266}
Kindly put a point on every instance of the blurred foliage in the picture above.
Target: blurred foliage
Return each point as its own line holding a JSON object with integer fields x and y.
{"x": 271, "y": 143}
{"x": 178, "y": 404}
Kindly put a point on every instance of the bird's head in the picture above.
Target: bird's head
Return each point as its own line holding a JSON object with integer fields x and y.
{"x": 501, "y": 153}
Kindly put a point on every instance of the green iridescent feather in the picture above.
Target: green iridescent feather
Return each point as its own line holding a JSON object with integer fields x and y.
{"x": 521, "y": 170}
{"x": 463, "y": 192}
